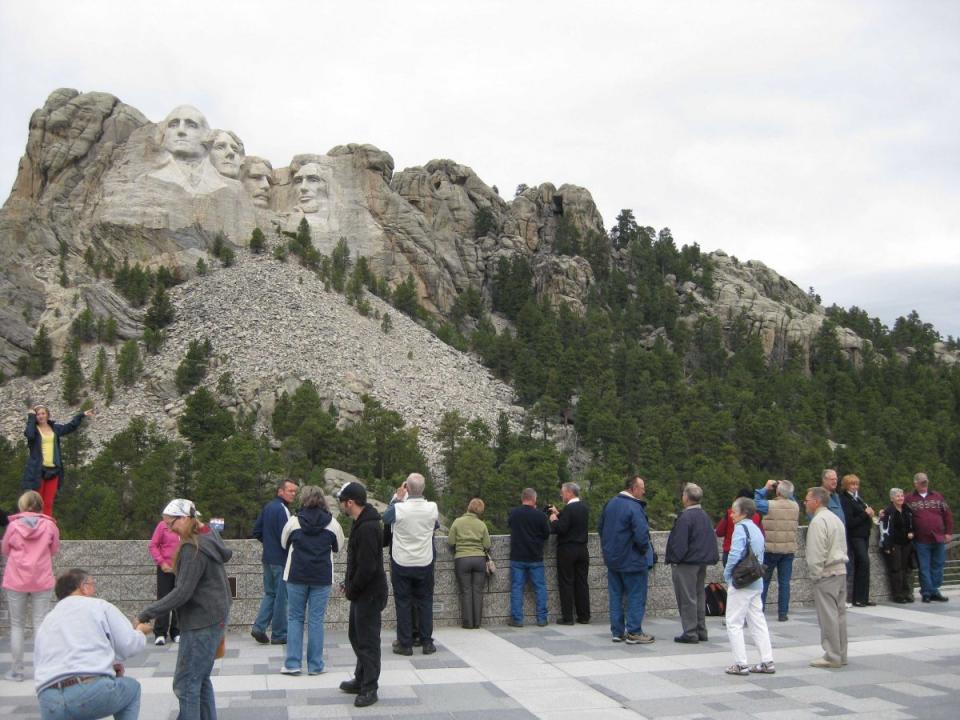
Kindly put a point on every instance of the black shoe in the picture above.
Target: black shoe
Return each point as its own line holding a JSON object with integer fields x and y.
{"x": 543, "y": 623}
{"x": 686, "y": 639}
{"x": 401, "y": 650}
{"x": 782, "y": 618}
{"x": 585, "y": 621}
{"x": 702, "y": 637}
{"x": 278, "y": 641}
{"x": 260, "y": 636}
{"x": 909, "y": 599}
{"x": 925, "y": 598}
{"x": 350, "y": 686}
{"x": 417, "y": 641}
{"x": 514, "y": 623}
{"x": 939, "y": 598}
{"x": 565, "y": 622}
{"x": 429, "y": 648}
{"x": 365, "y": 699}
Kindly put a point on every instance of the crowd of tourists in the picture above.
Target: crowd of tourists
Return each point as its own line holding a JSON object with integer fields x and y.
{"x": 80, "y": 646}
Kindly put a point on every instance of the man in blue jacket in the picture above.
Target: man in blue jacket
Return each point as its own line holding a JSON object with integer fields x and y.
{"x": 628, "y": 555}
{"x": 268, "y": 530}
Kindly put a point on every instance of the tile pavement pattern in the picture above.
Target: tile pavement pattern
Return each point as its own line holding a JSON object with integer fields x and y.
{"x": 904, "y": 664}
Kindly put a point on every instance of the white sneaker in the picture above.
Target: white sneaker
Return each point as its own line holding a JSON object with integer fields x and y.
{"x": 160, "y": 641}
{"x": 13, "y": 676}
{"x": 176, "y": 638}
{"x": 289, "y": 671}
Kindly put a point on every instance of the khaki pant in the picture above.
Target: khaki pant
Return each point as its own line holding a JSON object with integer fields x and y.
{"x": 830, "y": 598}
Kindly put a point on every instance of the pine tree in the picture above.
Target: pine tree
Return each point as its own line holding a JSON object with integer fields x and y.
{"x": 193, "y": 367}
{"x": 258, "y": 242}
{"x": 108, "y": 391}
{"x": 40, "y": 359}
{"x": 101, "y": 370}
{"x": 72, "y": 375}
{"x": 129, "y": 365}
{"x": 161, "y": 312}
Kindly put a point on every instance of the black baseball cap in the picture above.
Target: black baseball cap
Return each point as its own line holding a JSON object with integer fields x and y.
{"x": 353, "y": 491}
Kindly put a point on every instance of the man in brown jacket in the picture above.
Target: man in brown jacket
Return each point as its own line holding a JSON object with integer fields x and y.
{"x": 780, "y": 514}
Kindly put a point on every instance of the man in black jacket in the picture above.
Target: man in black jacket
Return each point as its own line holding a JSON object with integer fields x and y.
{"x": 573, "y": 559}
{"x": 529, "y": 532}
{"x": 691, "y": 546}
{"x": 365, "y": 586}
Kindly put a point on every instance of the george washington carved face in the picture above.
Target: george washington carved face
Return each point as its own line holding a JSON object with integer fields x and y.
{"x": 185, "y": 133}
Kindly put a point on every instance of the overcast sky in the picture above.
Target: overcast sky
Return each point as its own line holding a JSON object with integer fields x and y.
{"x": 822, "y": 138}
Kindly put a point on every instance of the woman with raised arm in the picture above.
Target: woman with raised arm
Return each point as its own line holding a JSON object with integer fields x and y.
{"x": 44, "y": 471}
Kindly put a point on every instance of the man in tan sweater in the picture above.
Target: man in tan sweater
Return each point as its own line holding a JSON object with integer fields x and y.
{"x": 827, "y": 568}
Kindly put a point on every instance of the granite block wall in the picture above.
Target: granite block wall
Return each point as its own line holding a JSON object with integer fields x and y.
{"x": 126, "y": 576}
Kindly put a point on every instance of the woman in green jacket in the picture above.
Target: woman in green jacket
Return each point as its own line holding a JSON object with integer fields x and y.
{"x": 470, "y": 540}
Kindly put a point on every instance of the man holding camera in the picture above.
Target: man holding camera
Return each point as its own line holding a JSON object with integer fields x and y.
{"x": 781, "y": 514}
{"x": 573, "y": 559}
{"x": 413, "y": 519}
{"x": 529, "y": 531}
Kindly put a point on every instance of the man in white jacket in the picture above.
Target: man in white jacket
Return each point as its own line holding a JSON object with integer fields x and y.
{"x": 827, "y": 568}
{"x": 77, "y": 654}
{"x": 414, "y": 518}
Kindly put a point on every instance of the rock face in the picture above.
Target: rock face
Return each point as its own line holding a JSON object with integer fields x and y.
{"x": 98, "y": 174}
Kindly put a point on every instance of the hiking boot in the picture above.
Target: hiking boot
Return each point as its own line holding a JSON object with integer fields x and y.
{"x": 365, "y": 699}
{"x": 638, "y": 639}
{"x": 350, "y": 686}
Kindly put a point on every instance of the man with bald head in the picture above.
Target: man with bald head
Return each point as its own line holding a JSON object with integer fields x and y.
{"x": 413, "y": 519}
{"x": 185, "y": 137}
{"x": 932, "y": 530}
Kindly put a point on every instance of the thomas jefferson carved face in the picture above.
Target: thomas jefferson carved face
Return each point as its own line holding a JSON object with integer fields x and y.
{"x": 226, "y": 153}
{"x": 185, "y": 130}
{"x": 257, "y": 179}
{"x": 310, "y": 185}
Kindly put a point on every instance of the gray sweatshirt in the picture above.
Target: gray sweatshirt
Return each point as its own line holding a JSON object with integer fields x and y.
{"x": 201, "y": 596}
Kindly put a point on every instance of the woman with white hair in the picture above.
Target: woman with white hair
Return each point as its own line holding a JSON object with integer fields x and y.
{"x": 896, "y": 544}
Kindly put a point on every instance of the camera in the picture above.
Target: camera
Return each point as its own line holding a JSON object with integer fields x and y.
{"x": 549, "y": 509}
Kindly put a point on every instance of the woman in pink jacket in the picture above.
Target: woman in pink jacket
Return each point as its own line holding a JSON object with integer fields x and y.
{"x": 163, "y": 546}
{"x": 29, "y": 544}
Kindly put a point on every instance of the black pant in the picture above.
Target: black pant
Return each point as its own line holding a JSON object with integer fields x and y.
{"x": 413, "y": 586}
{"x": 899, "y": 572}
{"x": 165, "y": 624}
{"x": 860, "y": 559}
{"x": 573, "y": 566}
{"x": 471, "y": 574}
{"x": 364, "y": 634}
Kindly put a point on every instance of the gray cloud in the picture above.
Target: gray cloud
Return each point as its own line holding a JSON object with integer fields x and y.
{"x": 817, "y": 137}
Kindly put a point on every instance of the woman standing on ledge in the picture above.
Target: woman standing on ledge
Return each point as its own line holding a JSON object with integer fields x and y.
{"x": 44, "y": 469}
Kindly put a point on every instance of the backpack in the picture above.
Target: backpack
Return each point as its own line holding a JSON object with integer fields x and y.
{"x": 716, "y": 595}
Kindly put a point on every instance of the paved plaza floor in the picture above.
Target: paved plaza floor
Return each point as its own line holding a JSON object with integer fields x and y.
{"x": 904, "y": 663}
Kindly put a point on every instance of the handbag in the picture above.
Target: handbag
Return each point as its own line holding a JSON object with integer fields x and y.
{"x": 748, "y": 570}
{"x": 491, "y": 565}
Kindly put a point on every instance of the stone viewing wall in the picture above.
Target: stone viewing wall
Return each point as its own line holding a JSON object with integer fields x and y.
{"x": 126, "y": 576}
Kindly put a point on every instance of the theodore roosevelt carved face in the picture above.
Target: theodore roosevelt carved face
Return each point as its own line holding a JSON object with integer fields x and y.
{"x": 257, "y": 177}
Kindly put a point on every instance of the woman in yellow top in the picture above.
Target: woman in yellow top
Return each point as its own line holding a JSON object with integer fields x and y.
{"x": 44, "y": 471}
{"x": 470, "y": 540}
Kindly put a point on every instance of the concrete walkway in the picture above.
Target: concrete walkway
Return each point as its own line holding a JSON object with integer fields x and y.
{"x": 904, "y": 663}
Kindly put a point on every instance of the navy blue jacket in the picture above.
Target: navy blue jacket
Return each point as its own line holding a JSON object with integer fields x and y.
{"x": 33, "y": 473}
{"x": 692, "y": 540}
{"x": 625, "y": 535}
{"x": 267, "y": 530}
{"x": 529, "y": 531}
{"x": 311, "y": 540}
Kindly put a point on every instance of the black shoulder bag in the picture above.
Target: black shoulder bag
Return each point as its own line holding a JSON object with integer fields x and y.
{"x": 748, "y": 570}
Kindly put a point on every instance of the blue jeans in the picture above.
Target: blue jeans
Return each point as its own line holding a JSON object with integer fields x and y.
{"x": 191, "y": 679}
{"x": 298, "y": 598}
{"x": 519, "y": 572}
{"x": 273, "y": 607}
{"x": 630, "y": 589}
{"x": 783, "y": 564}
{"x": 107, "y": 696}
{"x": 930, "y": 559}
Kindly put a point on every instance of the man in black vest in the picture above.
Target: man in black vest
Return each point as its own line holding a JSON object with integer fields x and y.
{"x": 573, "y": 559}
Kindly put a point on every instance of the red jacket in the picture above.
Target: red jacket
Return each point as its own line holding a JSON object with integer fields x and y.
{"x": 725, "y": 528}
{"x": 932, "y": 518}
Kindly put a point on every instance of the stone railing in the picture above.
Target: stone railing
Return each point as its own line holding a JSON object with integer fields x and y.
{"x": 126, "y": 576}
